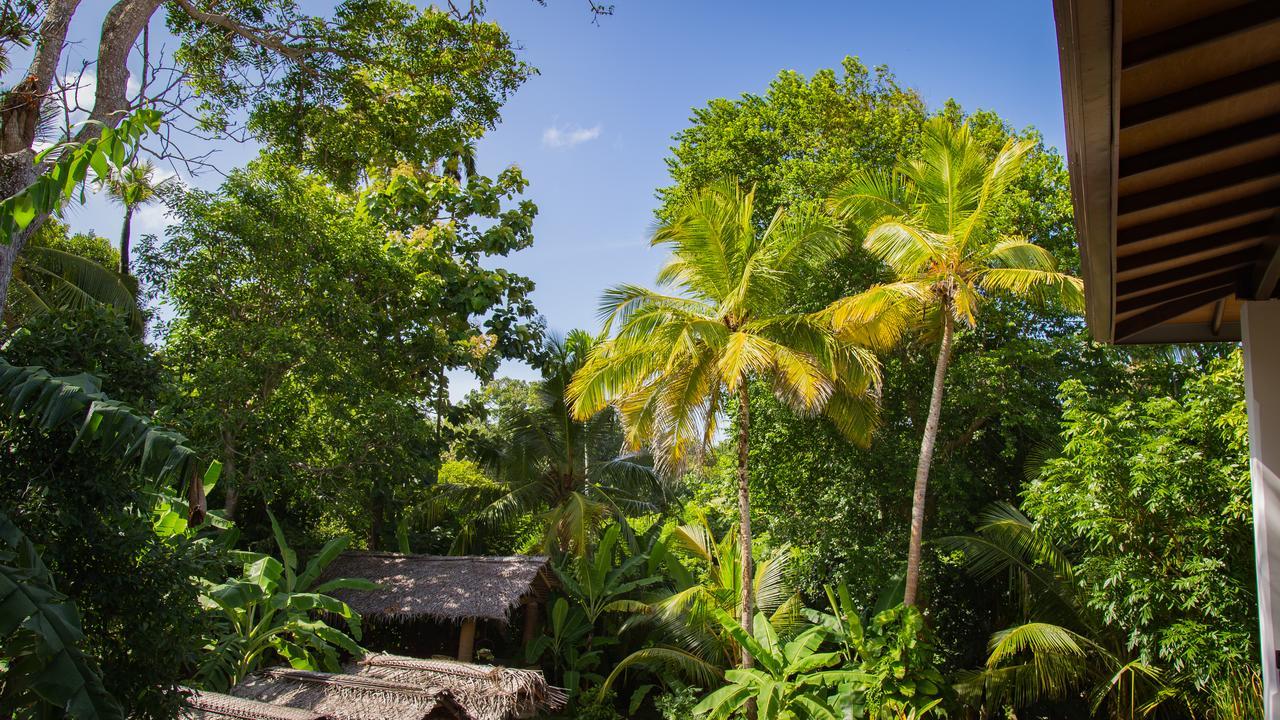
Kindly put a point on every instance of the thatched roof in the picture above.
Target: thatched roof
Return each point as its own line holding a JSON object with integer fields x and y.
{"x": 217, "y": 706}
{"x": 350, "y": 697}
{"x": 486, "y": 691}
{"x": 440, "y": 587}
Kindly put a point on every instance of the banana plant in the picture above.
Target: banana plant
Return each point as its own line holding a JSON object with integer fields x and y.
{"x": 596, "y": 585}
{"x": 43, "y": 672}
{"x": 794, "y": 680}
{"x": 568, "y": 646}
{"x": 273, "y": 610}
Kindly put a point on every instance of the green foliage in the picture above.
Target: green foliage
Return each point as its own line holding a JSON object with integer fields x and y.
{"x": 44, "y": 669}
{"x": 569, "y": 647}
{"x": 1151, "y": 496}
{"x": 70, "y": 163}
{"x": 89, "y": 509}
{"x": 892, "y": 649}
{"x": 678, "y": 703}
{"x": 376, "y": 84}
{"x": 1059, "y": 649}
{"x": 791, "y": 679}
{"x": 61, "y": 402}
{"x": 273, "y": 610}
{"x": 796, "y": 141}
{"x": 284, "y": 353}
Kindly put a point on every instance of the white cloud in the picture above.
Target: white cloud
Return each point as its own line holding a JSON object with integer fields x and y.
{"x": 566, "y": 137}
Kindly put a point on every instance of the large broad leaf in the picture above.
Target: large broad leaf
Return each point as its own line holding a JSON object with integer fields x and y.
{"x": 317, "y": 564}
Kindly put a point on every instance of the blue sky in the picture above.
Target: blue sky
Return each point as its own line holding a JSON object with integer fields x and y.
{"x": 591, "y": 131}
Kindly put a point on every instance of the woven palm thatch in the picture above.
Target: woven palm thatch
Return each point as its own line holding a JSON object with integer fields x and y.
{"x": 444, "y": 588}
{"x": 487, "y": 692}
{"x": 217, "y": 706}
{"x": 350, "y": 697}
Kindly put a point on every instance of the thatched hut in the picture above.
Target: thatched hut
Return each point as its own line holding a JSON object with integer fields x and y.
{"x": 460, "y": 590}
{"x": 202, "y": 705}
{"x": 350, "y": 697}
{"x": 487, "y": 692}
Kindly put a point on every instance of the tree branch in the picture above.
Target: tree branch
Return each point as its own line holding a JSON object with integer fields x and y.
{"x": 297, "y": 54}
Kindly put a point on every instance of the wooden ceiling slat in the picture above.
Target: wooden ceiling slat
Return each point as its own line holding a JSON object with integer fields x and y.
{"x": 1196, "y": 147}
{"x": 1237, "y": 259}
{"x": 1194, "y": 34}
{"x": 1196, "y": 218}
{"x": 1173, "y": 292}
{"x": 1200, "y": 185}
{"x": 1200, "y": 95}
{"x": 1170, "y": 310}
{"x": 1244, "y": 233}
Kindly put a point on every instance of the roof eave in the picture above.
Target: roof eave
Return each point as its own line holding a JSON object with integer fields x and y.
{"x": 1086, "y": 48}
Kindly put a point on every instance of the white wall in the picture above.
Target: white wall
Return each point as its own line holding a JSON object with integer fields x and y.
{"x": 1260, "y": 323}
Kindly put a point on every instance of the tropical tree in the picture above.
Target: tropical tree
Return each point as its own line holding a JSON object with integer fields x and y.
{"x": 565, "y": 470}
{"x": 132, "y": 187}
{"x": 61, "y": 270}
{"x": 933, "y": 221}
{"x": 671, "y": 356}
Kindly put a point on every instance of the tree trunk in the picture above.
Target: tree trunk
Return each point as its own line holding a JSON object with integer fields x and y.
{"x": 744, "y": 514}
{"x": 926, "y": 458}
{"x": 228, "y": 477}
{"x": 16, "y": 173}
{"x": 20, "y": 116}
{"x": 124, "y": 241}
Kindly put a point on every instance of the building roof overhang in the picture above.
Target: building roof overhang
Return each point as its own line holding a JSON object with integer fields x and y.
{"x": 1173, "y": 140}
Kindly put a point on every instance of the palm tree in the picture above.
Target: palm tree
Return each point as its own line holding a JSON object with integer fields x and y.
{"x": 719, "y": 322}
{"x": 133, "y": 187}
{"x": 933, "y": 221}
{"x": 47, "y": 279}
{"x": 567, "y": 470}
{"x": 1060, "y": 648}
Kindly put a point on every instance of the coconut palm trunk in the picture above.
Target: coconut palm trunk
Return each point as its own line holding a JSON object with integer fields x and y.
{"x": 744, "y": 513}
{"x": 124, "y": 240}
{"x": 926, "y": 460}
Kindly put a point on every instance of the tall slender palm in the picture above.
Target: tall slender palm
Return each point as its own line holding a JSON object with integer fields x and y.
{"x": 670, "y": 357}
{"x": 568, "y": 471}
{"x": 933, "y": 221}
{"x": 133, "y": 187}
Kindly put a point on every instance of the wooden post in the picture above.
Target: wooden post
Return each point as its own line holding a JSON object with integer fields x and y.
{"x": 530, "y": 621}
{"x": 467, "y": 640}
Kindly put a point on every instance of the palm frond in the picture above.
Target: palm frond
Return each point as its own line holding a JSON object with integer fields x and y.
{"x": 1045, "y": 286}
